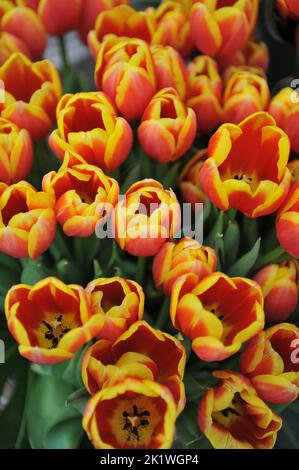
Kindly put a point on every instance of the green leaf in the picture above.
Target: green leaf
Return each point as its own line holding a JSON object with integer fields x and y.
{"x": 231, "y": 242}
{"x": 245, "y": 263}
{"x": 72, "y": 373}
{"x": 132, "y": 176}
{"x": 86, "y": 249}
{"x": 65, "y": 435}
{"x": 216, "y": 231}
{"x": 78, "y": 400}
{"x": 33, "y": 271}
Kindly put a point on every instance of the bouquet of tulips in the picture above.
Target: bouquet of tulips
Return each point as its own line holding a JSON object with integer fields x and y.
{"x": 149, "y": 225}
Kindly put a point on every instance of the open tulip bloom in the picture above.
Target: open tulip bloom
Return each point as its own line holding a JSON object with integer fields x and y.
{"x": 149, "y": 227}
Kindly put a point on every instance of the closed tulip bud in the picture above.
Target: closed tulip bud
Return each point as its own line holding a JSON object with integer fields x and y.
{"x": 59, "y": 17}
{"x": 168, "y": 127}
{"x": 287, "y": 223}
{"x": 254, "y": 54}
{"x": 205, "y": 93}
{"x": 243, "y": 69}
{"x": 140, "y": 352}
{"x": 293, "y": 166}
{"x": 189, "y": 179}
{"x": 5, "y": 6}
{"x": 10, "y": 44}
{"x": 119, "y": 302}
{"x": 146, "y": 218}
{"x": 16, "y": 152}
{"x": 258, "y": 183}
{"x": 170, "y": 70}
{"x": 50, "y": 320}
{"x": 213, "y": 314}
{"x": 88, "y": 126}
{"x": 279, "y": 283}
{"x": 222, "y": 30}
{"x": 32, "y": 91}
{"x": 288, "y": 8}
{"x": 122, "y": 21}
{"x": 270, "y": 360}
{"x": 125, "y": 72}
{"x": 232, "y": 416}
{"x": 245, "y": 94}
{"x": 187, "y": 256}
{"x": 33, "y": 4}
{"x": 27, "y": 220}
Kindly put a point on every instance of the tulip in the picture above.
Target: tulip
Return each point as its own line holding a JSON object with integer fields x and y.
{"x": 146, "y": 218}
{"x": 293, "y": 166}
{"x": 279, "y": 283}
{"x": 232, "y": 416}
{"x": 245, "y": 94}
{"x": 205, "y": 93}
{"x": 287, "y": 223}
{"x": 88, "y": 126}
{"x": 140, "y": 352}
{"x": 187, "y": 256}
{"x": 170, "y": 69}
{"x": 33, "y": 4}
{"x": 84, "y": 195}
{"x": 270, "y": 360}
{"x": 243, "y": 69}
{"x": 257, "y": 183}
{"x": 59, "y": 16}
{"x": 288, "y": 8}
{"x": 168, "y": 127}
{"x": 50, "y": 320}
{"x": 133, "y": 414}
{"x": 254, "y": 54}
{"x": 16, "y": 152}
{"x": 189, "y": 179}
{"x": 217, "y": 313}
{"x": 122, "y": 21}
{"x": 5, "y": 6}
{"x": 25, "y": 24}
{"x": 32, "y": 91}
{"x": 10, "y": 44}
{"x": 125, "y": 72}
{"x": 27, "y": 220}
{"x": 222, "y": 30}
{"x": 119, "y": 302}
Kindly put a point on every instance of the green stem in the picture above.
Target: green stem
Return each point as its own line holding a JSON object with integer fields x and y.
{"x": 22, "y": 430}
{"x": 272, "y": 256}
{"x": 164, "y": 314}
{"x": 140, "y": 270}
{"x": 63, "y": 53}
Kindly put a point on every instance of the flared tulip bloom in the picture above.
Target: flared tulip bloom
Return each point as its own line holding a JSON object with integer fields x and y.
{"x": 59, "y": 17}
{"x": 122, "y": 21}
{"x": 271, "y": 362}
{"x": 50, "y": 320}
{"x": 133, "y": 414}
{"x": 284, "y": 107}
{"x": 232, "y": 416}
{"x": 280, "y": 285}
{"x": 25, "y": 24}
{"x": 84, "y": 195}
{"x": 257, "y": 183}
{"x": 222, "y": 30}
{"x": 125, "y": 72}
{"x": 141, "y": 353}
{"x": 293, "y": 166}
{"x": 119, "y": 302}
{"x": 205, "y": 93}
{"x": 187, "y": 256}
{"x": 147, "y": 217}
{"x": 288, "y": 8}
{"x": 10, "y": 44}
{"x": 168, "y": 127}
{"x": 217, "y": 313}
{"x": 287, "y": 223}
{"x": 254, "y": 54}
{"x": 189, "y": 183}
{"x": 170, "y": 70}
{"x": 27, "y": 220}
{"x": 88, "y": 125}
{"x": 245, "y": 94}
{"x": 32, "y": 91}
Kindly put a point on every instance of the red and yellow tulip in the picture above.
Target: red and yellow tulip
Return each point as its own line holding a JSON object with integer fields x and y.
{"x": 232, "y": 416}
{"x": 140, "y": 353}
{"x": 257, "y": 183}
{"x": 288, "y": 8}
{"x": 88, "y": 125}
{"x": 254, "y": 54}
{"x": 59, "y": 16}
{"x": 27, "y": 220}
{"x": 217, "y": 313}
{"x": 32, "y": 91}
{"x": 119, "y": 302}
{"x": 147, "y": 217}
{"x": 10, "y": 44}
{"x": 269, "y": 363}
{"x": 125, "y": 72}
{"x": 280, "y": 284}
{"x": 187, "y": 256}
{"x": 294, "y": 169}
{"x": 189, "y": 179}
{"x": 287, "y": 223}
{"x": 168, "y": 127}
{"x": 16, "y": 152}
{"x": 131, "y": 414}
{"x": 50, "y": 320}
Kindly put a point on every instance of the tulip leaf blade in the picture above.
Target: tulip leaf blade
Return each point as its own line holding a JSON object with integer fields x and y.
{"x": 244, "y": 264}
{"x": 231, "y": 242}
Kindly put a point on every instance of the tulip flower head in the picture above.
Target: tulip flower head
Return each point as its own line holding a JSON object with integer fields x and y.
{"x": 10, "y": 44}
{"x": 294, "y": 169}
{"x": 288, "y": 8}
{"x": 59, "y": 16}
{"x": 271, "y": 362}
{"x": 232, "y": 416}
{"x": 287, "y": 223}
{"x": 254, "y": 54}
{"x": 189, "y": 183}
